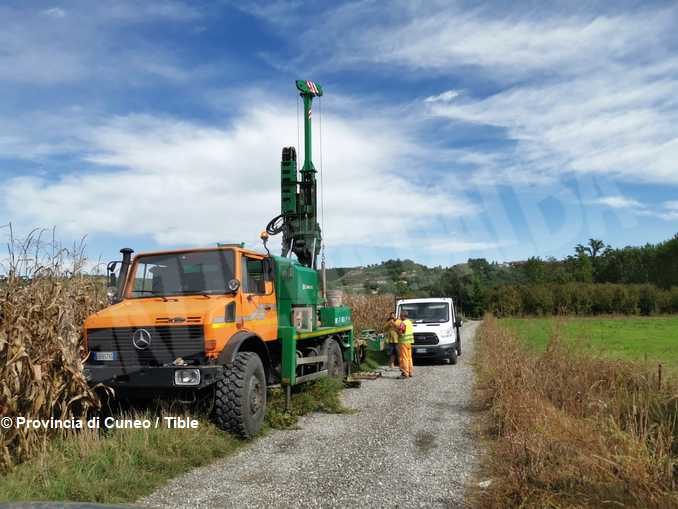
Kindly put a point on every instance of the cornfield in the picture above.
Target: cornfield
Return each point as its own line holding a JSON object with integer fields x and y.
{"x": 44, "y": 299}
{"x": 369, "y": 311}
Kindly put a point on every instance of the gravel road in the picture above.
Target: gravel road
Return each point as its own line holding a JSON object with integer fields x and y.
{"x": 409, "y": 444}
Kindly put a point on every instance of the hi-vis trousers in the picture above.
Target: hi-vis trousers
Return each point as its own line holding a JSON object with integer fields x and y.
{"x": 405, "y": 358}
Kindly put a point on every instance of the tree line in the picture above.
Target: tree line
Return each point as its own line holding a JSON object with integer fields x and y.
{"x": 595, "y": 279}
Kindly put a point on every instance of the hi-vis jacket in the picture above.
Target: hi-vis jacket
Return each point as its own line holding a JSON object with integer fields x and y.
{"x": 407, "y": 336}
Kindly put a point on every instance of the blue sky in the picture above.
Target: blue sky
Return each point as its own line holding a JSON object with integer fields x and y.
{"x": 449, "y": 130}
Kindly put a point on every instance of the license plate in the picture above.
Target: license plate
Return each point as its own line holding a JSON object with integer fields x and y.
{"x": 105, "y": 356}
{"x": 421, "y": 350}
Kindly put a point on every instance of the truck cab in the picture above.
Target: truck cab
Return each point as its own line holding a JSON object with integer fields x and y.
{"x": 436, "y": 328}
{"x": 174, "y": 313}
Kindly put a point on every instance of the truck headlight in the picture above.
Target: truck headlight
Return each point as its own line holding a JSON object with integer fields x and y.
{"x": 187, "y": 377}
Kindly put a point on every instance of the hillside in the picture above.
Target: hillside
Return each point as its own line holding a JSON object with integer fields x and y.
{"x": 392, "y": 276}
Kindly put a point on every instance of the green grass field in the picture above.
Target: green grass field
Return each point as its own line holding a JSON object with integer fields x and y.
{"x": 629, "y": 338}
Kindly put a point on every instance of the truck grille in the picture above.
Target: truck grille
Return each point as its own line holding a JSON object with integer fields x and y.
{"x": 425, "y": 338}
{"x": 166, "y": 344}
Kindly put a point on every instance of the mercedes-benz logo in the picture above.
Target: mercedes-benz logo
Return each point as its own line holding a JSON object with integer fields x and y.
{"x": 141, "y": 339}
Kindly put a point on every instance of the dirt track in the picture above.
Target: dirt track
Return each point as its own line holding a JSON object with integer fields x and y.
{"x": 410, "y": 444}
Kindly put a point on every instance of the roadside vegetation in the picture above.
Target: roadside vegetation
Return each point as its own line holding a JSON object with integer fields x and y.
{"x": 115, "y": 467}
{"x": 322, "y": 395}
{"x": 123, "y": 465}
{"x": 566, "y": 428}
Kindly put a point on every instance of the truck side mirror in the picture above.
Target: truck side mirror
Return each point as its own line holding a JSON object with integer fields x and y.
{"x": 458, "y": 323}
{"x": 110, "y": 268}
{"x": 112, "y": 285}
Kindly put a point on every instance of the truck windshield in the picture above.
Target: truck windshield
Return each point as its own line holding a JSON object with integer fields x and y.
{"x": 190, "y": 273}
{"x": 427, "y": 312}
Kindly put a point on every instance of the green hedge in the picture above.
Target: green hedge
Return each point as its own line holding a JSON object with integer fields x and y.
{"x": 581, "y": 299}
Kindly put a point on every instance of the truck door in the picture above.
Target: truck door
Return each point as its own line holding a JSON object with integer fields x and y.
{"x": 258, "y": 299}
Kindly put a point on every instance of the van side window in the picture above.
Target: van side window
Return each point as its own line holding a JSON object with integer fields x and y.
{"x": 253, "y": 276}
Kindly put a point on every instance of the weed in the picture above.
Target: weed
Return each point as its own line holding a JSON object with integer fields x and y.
{"x": 567, "y": 428}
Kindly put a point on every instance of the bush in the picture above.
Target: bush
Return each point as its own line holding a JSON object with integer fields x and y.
{"x": 580, "y": 299}
{"x": 505, "y": 301}
{"x": 537, "y": 299}
{"x": 664, "y": 301}
{"x": 603, "y": 299}
{"x": 647, "y": 299}
{"x": 674, "y": 299}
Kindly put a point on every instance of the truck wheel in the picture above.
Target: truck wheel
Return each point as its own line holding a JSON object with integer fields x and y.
{"x": 240, "y": 400}
{"x": 335, "y": 359}
{"x": 458, "y": 344}
{"x": 453, "y": 356}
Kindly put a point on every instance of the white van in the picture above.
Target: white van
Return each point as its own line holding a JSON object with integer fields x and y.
{"x": 436, "y": 328}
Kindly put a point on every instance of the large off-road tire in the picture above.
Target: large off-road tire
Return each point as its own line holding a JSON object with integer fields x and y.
{"x": 335, "y": 359}
{"x": 240, "y": 399}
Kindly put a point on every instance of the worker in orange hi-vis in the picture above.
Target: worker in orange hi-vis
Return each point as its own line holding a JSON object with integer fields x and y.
{"x": 405, "y": 345}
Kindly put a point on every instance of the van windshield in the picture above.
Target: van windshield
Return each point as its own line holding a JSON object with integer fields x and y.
{"x": 427, "y": 312}
{"x": 190, "y": 273}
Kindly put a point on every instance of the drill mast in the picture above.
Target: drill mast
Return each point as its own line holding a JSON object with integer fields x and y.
{"x": 298, "y": 220}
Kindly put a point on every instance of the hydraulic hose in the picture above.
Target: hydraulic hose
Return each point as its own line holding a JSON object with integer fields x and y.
{"x": 275, "y": 225}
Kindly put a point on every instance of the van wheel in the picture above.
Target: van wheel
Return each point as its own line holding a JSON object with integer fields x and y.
{"x": 240, "y": 399}
{"x": 335, "y": 359}
{"x": 453, "y": 356}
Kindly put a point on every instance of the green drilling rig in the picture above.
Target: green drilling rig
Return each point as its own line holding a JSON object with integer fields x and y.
{"x": 226, "y": 322}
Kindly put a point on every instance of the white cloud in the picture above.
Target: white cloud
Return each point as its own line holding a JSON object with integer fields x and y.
{"x": 186, "y": 183}
{"x": 55, "y": 46}
{"x": 55, "y": 12}
{"x": 579, "y": 91}
{"x": 446, "y": 97}
{"x": 619, "y": 202}
{"x": 669, "y": 211}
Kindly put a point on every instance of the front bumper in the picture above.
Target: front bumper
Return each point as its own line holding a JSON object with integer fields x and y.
{"x": 150, "y": 377}
{"x": 436, "y": 352}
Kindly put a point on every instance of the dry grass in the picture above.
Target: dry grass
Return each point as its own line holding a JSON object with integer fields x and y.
{"x": 569, "y": 430}
{"x": 369, "y": 311}
{"x": 43, "y": 302}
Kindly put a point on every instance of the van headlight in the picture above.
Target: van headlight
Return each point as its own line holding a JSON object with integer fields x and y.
{"x": 187, "y": 377}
